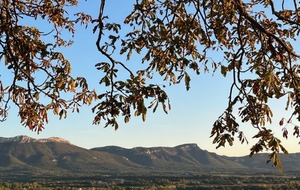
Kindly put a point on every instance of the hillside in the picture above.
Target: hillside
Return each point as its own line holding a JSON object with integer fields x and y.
{"x": 187, "y": 156}
{"x": 48, "y": 157}
{"x": 25, "y": 156}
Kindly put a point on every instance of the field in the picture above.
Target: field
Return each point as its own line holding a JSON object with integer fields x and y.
{"x": 235, "y": 180}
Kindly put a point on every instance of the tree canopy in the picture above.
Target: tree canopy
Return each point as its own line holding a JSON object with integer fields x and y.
{"x": 174, "y": 38}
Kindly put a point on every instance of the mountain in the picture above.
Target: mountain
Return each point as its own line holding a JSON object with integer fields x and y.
{"x": 55, "y": 156}
{"x": 26, "y": 139}
{"x": 290, "y": 162}
{"x": 187, "y": 156}
{"x": 25, "y": 156}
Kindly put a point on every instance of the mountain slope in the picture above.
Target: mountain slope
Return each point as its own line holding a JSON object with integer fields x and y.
{"x": 188, "y": 156}
{"x": 56, "y": 156}
{"x": 29, "y": 157}
{"x": 290, "y": 162}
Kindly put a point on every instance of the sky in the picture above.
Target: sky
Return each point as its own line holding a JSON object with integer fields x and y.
{"x": 190, "y": 120}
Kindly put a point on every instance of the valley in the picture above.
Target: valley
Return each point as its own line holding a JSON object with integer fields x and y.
{"x": 55, "y": 163}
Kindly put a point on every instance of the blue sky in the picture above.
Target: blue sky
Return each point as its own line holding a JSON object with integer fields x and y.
{"x": 189, "y": 121}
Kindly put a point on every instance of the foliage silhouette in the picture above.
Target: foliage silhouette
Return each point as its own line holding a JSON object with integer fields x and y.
{"x": 174, "y": 37}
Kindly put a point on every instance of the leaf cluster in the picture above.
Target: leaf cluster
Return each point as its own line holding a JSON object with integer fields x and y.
{"x": 41, "y": 75}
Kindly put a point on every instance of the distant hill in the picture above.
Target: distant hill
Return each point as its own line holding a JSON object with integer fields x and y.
{"x": 290, "y": 162}
{"x": 54, "y": 157}
{"x": 26, "y": 139}
{"x": 30, "y": 157}
{"x": 187, "y": 156}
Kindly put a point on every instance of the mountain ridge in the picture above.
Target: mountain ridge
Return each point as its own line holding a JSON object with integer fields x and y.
{"x": 56, "y": 156}
{"x": 27, "y": 139}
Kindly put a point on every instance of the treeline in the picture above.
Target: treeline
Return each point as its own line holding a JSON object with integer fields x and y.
{"x": 21, "y": 186}
{"x": 33, "y": 186}
{"x": 37, "y": 186}
{"x": 218, "y": 182}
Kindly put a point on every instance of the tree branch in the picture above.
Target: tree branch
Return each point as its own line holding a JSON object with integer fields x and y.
{"x": 256, "y": 25}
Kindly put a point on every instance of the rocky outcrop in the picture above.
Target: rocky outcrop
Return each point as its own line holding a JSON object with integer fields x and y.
{"x": 26, "y": 139}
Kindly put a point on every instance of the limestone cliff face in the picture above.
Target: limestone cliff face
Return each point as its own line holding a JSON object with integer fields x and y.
{"x": 26, "y": 139}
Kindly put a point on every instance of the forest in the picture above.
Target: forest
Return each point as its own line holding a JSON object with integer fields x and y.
{"x": 226, "y": 181}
